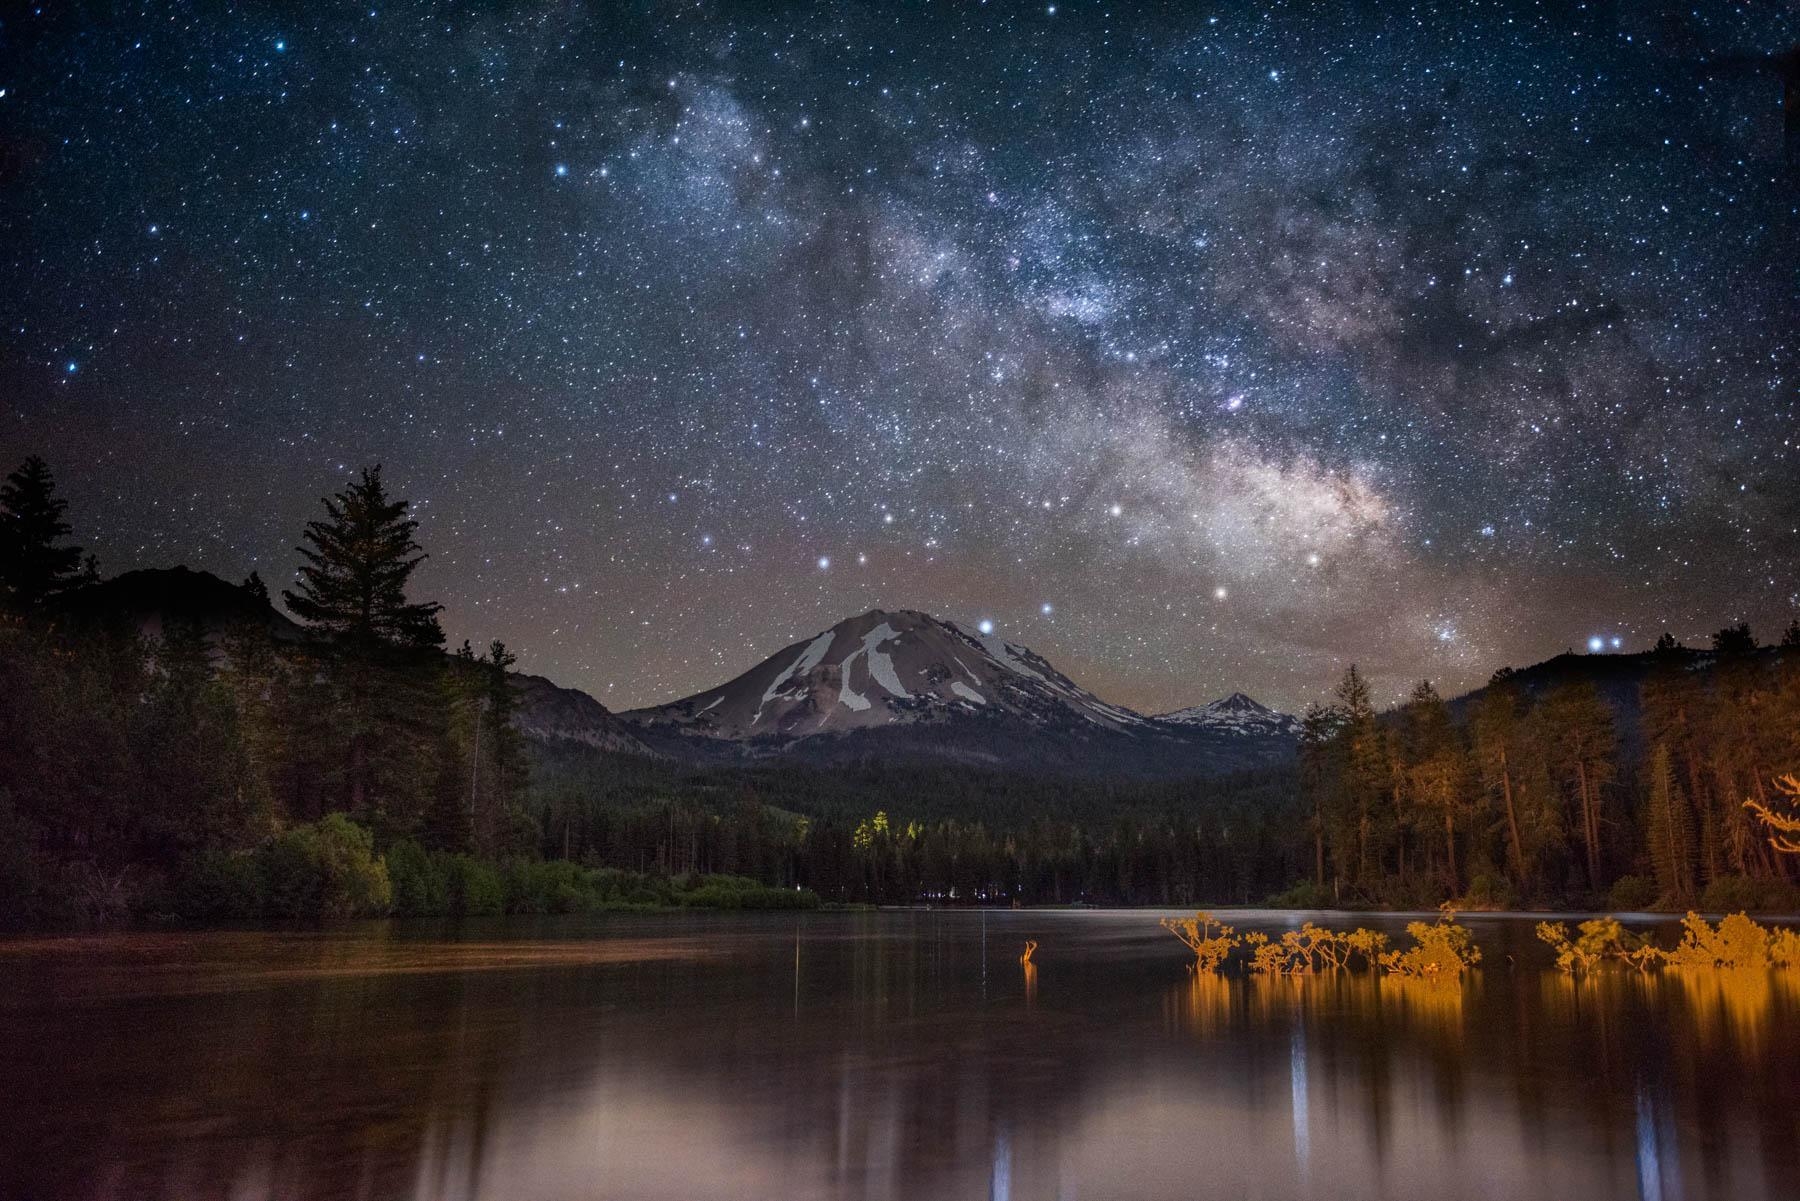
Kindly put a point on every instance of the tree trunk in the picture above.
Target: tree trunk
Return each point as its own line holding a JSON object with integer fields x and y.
{"x": 1450, "y": 845}
{"x": 1512, "y": 819}
{"x": 1590, "y": 827}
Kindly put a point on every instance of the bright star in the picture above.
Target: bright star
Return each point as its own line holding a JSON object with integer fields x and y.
{"x": 824, "y": 562}
{"x": 1596, "y": 644}
{"x": 1219, "y": 593}
{"x": 1046, "y": 609}
{"x": 985, "y": 626}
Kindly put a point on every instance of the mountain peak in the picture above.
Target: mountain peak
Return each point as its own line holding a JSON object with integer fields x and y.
{"x": 1235, "y": 714}
{"x": 883, "y": 668}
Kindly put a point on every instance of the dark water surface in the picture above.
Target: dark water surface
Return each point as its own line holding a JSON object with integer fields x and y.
{"x": 879, "y": 1055}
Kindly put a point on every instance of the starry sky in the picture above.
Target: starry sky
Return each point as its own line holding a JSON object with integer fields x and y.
{"x": 1199, "y": 347}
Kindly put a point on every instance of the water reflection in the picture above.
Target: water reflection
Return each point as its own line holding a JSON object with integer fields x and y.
{"x": 870, "y": 1056}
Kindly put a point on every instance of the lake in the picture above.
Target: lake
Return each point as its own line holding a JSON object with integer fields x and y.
{"x": 870, "y": 1056}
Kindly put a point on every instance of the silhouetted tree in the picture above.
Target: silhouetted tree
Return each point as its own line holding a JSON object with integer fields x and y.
{"x": 357, "y": 565}
{"x": 34, "y": 565}
{"x": 351, "y": 589}
{"x": 1734, "y": 640}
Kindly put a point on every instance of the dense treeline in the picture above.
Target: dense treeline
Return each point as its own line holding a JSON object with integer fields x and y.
{"x": 1533, "y": 797}
{"x": 230, "y": 769}
{"x": 235, "y": 772}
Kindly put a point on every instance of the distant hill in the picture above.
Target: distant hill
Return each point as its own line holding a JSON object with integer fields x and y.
{"x": 150, "y": 599}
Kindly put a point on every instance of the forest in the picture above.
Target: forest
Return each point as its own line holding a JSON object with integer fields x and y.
{"x": 236, "y": 773}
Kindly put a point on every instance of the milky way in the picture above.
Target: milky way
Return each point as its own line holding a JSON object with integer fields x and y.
{"x": 1199, "y": 348}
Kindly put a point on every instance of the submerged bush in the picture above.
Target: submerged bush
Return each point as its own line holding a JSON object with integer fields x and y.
{"x": 1313, "y": 948}
{"x": 1196, "y": 933}
{"x": 1735, "y": 942}
{"x": 1596, "y": 941}
{"x": 1442, "y": 950}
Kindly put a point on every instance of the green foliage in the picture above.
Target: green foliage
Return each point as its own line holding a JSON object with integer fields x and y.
{"x": 737, "y": 892}
{"x": 1632, "y": 894}
{"x": 1745, "y": 893}
{"x": 475, "y": 888}
{"x": 420, "y": 881}
{"x": 1489, "y": 891}
{"x": 220, "y": 886}
{"x": 327, "y": 869}
{"x": 1304, "y": 895}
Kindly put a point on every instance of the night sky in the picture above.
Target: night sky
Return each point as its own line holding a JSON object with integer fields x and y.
{"x": 1200, "y": 348}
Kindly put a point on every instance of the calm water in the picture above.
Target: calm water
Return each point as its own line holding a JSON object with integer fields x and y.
{"x": 890, "y": 1055}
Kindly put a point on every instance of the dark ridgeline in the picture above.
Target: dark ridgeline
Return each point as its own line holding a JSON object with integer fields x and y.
{"x": 179, "y": 748}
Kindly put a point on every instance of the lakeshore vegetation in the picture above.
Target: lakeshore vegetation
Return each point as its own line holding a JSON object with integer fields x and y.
{"x": 363, "y": 768}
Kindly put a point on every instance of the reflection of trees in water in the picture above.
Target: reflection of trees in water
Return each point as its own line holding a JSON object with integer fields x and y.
{"x": 1201, "y": 1004}
{"x": 1733, "y": 1008}
{"x": 873, "y": 1058}
{"x": 1699, "y": 1050}
{"x": 1359, "y": 1031}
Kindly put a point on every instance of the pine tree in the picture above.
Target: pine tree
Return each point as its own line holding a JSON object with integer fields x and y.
{"x": 1671, "y": 831}
{"x": 360, "y": 558}
{"x": 1434, "y": 767}
{"x": 1582, "y": 745}
{"x": 351, "y": 589}
{"x": 1790, "y": 637}
{"x": 33, "y": 566}
{"x": 1734, "y": 640}
{"x": 1365, "y": 768}
{"x": 1497, "y": 734}
{"x": 1319, "y": 774}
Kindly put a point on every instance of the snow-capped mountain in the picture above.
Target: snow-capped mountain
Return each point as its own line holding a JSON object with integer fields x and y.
{"x": 883, "y": 669}
{"x": 1236, "y": 714}
{"x": 905, "y": 685}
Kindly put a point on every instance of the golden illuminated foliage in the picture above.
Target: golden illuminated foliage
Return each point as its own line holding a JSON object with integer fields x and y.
{"x": 1197, "y": 933}
{"x": 1784, "y": 828}
{"x": 1734, "y": 943}
{"x": 1596, "y": 941}
{"x": 1311, "y": 949}
{"x": 1442, "y": 950}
